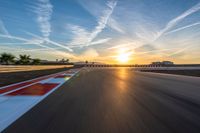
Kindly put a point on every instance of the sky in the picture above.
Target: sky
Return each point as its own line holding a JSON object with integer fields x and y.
{"x": 102, "y": 30}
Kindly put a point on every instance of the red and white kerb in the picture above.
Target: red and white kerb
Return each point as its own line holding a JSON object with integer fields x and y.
{"x": 18, "y": 98}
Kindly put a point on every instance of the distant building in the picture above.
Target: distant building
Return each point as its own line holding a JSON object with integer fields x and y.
{"x": 156, "y": 63}
{"x": 163, "y": 63}
{"x": 167, "y": 63}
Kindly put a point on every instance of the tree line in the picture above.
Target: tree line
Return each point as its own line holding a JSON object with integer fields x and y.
{"x": 7, "y": 58}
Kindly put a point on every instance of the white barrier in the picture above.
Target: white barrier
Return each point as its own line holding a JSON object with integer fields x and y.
{"x": 166, "y": 68}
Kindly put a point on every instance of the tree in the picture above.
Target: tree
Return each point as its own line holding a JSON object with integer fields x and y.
{"x": 36, "y": 61}
{"x": 6, "y": 58}
{"x": 65, "y": 60}
{"x": 24, "y": 59}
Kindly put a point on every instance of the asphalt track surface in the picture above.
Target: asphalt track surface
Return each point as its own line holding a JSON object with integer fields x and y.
{"x": 117, "y": 101}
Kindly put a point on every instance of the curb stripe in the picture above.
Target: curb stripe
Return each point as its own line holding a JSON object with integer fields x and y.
{"x": 21, "y": 85}
{"x": 16, "y": 103}
{"x": 34, "y": 90}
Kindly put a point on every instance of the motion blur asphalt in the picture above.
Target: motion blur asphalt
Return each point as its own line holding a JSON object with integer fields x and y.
{"x": 117, "y": 101}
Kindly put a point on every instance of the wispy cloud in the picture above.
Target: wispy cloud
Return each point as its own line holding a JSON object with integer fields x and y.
{"x": 94, "y": 8}
{"x": 44, "y": 10}
{"x": 154, "y": 51}
{"x": 102, "y": 21}
{"x": 83, "y": 37}
{"x": 34, "y": 41}
{"x": 151, "y": 36}
{"x": 183, "y": 49}
{"x": 50, "y": 41}
{"x": 176, "y": 20}
{"x": 37, "y": 42}
{"x": 100, "y": 41}
{"x": 24, "y": 50}
{"x": 112, "y": 23}
{"x": 179, "y": 51}
{"x": 13, "y": 37}
{"x": 40, "y": 43}
{"x": 80, "y": 35}
{"x": 120, "y": 46}
{"x": 182, "y": 28}
{"x": 3, "y": 29}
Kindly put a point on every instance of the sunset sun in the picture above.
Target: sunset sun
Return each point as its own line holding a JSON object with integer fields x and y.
{"x": 123, "y": 57}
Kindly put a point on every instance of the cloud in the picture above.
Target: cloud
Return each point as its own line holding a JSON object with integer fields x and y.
{"x": 146, "y": 36}
{"x": 44, "y": 10}
{"x": 50, "y": 41}
{"x": 176, "y": 20}
{"x": 182, "y": 50}
{"x": 40, "y": 43}
{"x": 95, "y": 8}
{"x": 102, "y": 21}
{"x": 100, "y": 41}
{"x": 151, "y": 36}
{"x": 80, "y": 35}
{"x": 89, "y": 54}
{"x": 3, "y": 29}
{"x": 179, "y": 52}
{"x": 83, "y": 37}
{"x": 24, "y": 50}
{"x": 13, "y": 37}
{"x": 183, "y": 28}
{"x": 36, "y": 41}
{"x": 120, "y": 46}
{"x": 146, "y": 47}
{"x": 160, "y": 51}
{"x": 112, "y": 23}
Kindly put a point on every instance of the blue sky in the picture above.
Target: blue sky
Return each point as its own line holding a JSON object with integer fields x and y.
{"x": 99, "y": 30}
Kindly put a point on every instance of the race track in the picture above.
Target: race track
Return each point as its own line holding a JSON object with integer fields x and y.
{"x": 110, "y": 100}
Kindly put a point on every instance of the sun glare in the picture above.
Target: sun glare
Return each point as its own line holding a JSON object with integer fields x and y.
{"x": 123, "y": 57}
